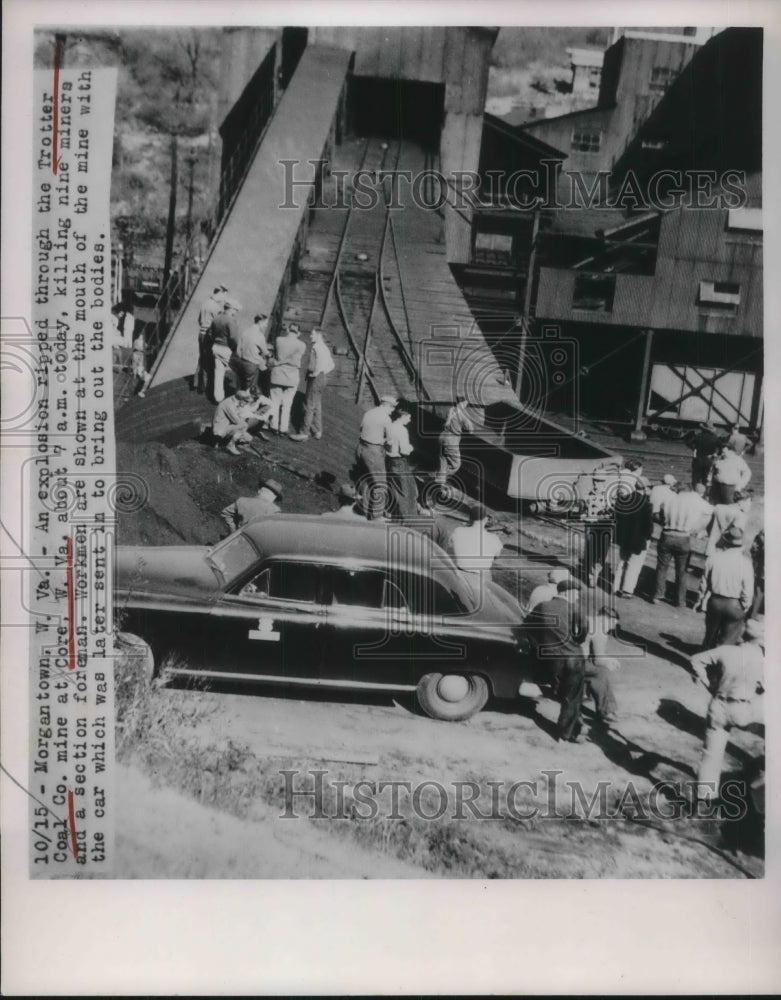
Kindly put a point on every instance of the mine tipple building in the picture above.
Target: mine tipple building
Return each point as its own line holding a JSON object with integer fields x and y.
{"x": 674, "y": 294}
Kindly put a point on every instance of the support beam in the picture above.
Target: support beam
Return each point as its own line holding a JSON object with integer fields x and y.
{"x": 638, "y": 434}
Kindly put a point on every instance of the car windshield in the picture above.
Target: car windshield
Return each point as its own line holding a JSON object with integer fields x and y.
{"x": 233, "y": 556}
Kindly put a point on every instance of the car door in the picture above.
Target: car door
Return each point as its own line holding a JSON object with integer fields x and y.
{"x": 376, "y": 630}
{"x": 271, "y": 624}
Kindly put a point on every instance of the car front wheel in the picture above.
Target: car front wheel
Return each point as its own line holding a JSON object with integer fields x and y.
{"x": 452, "y": 697}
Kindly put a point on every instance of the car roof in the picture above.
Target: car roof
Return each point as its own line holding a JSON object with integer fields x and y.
{"x": 379, "y": 544}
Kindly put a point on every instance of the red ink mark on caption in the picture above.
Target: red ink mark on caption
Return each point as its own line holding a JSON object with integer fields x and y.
{"x": 71, "y": 603}
{"x": 72, "y": 824}
{"x": 58, "y": 47}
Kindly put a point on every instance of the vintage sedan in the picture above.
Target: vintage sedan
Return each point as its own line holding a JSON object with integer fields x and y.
{"x": 296, "y": 599}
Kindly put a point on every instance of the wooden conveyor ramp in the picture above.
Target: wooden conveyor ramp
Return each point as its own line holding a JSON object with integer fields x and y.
{"x": 252, "y": 251}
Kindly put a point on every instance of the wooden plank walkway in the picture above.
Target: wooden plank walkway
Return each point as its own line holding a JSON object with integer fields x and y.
{"x": 253, "y": 250}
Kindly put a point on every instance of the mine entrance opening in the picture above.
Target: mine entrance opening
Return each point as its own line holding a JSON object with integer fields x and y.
{"x": 397, "y": 109}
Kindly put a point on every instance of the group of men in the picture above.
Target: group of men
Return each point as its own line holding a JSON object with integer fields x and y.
{"x": 267, "y": 375}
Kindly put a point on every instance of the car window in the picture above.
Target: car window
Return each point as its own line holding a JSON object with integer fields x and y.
{"x": 356, "y": 587}
{"x": 424, "y": 595}
{"x": 233, "y": 556}
{"x": 293, "y": 581}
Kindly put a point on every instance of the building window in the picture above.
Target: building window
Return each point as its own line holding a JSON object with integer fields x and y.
{"x": 594, "y": 292}
{"x": 690, "y": 32}
{"x": 745, "y": 220}
{"x": 586, "y": 140}
{"x": 493, "y": 248}
{"x": 723, "y": 296}
{"x": 662, "y": 77}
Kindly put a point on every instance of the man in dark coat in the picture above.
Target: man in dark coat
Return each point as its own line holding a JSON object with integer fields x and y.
{"x": 634, "y": 530}
{"x": 553, "y": 635}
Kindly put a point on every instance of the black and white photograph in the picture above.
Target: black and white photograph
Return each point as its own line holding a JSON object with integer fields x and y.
{"x": 409, "y": 521}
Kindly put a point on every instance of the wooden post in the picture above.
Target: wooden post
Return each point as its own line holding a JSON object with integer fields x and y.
{"x": 527, "y": 302}
{"x": 638, "y": 434}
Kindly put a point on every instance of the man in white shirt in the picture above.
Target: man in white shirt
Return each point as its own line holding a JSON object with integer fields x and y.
{"x": 661, "y": 492}
{"x": 730, "y": 473}
{"x": 547, "y": 591}
{"x": 321, "y": 364}
{"x": 400, "y": 478}
{"x": 370, "y": 456}
{"x": 736, "y": 685}
{"x": 475, "y": 548}
{"x": 725, "y": 516}
{"x": 683, "y": 515}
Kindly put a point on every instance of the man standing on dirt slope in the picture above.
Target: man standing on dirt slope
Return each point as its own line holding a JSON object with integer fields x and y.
{"x": 285, "y": 375}
{"x": 321, "y": 364}
{"x": 682, "y": 515}
{"x": 457, "y": 422}
{"x": 736, "y": 686}
{"x": 553, "y": 634}
{"x": 210, "y": 308}
{"x": 223, "y": 336}
{"x": 346, "y": 510}
{"x": 370, "y": 456}
{"x": 599, "y": 667}
{"x": 726, "y": 591}
{"x": 245, "y": 510}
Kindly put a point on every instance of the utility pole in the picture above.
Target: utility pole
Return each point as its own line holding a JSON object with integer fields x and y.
{"x": 171, "y": 228}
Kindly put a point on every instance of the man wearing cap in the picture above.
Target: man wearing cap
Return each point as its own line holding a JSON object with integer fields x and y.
{"x": 661, "y": 492}
{"x": 725, "y": 515}
{"x": 682, "y": 515}
{"x": 547, "y": 591}
{"x": 705, "y": 446}
{"x": 346, "y": 510}
{"x": 730, "y": 473}
{"x": 736, "y": 686}
{"x": 370, "y": 455}
{"x": 231, "y": 421}
{"x": 210, "y": 308}
{"x": 726, "y": 591}
{"x": 321, "y": 364}
{"x": 245, "y": 510}
{"x": 285, "y": 376}
{"x": 223, "y": 336}
{"x": 554, "y": 634}
{"x": 251, "y": 353}
{"x": 457, "y": 422}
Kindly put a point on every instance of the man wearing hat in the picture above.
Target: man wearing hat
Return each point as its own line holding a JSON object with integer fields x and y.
{"x": 346, "y": 510}
{"x": 370, "y": 455}
{"x": 726, "y": 591}
{"x": 245, "y": 510}
{"x": 223, "y": 335}
{"x": 210, "y": 308}
{"x": 547, "y": 591}
{"x": 734, "y": 677}
{"x": 231, "y": 421}
{"x": 251, "y": 353}
{"x": 730, "y": 473}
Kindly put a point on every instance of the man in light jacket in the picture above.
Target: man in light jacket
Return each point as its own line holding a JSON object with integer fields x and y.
{"x": 285, "y": 375}
{"x": 321, "y": 364}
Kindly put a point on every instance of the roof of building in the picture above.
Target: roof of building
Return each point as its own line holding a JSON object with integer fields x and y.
{"x": 531, "y": 142}
{"x": 586, "y": 57}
